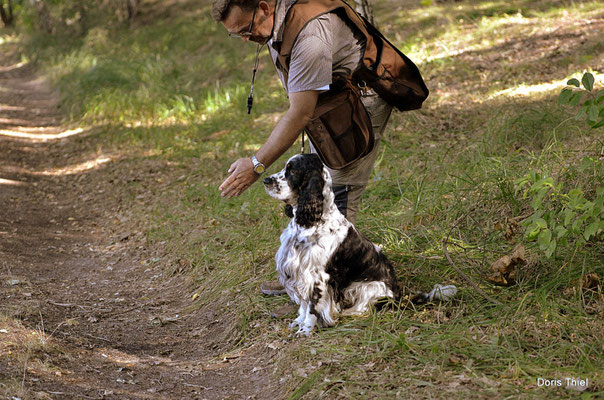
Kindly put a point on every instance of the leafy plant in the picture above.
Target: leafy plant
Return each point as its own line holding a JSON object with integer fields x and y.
{"x": 593, "y": 108}
{"x": 560, "y": 218}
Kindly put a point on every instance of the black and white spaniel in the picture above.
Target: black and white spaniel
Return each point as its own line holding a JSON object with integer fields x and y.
{"x": 325, "y": 264}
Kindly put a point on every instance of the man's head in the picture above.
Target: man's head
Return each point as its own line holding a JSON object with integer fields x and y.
{"x": 248, "y": 19}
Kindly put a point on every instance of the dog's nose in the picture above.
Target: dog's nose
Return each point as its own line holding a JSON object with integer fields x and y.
{"x": 268, "y": 180}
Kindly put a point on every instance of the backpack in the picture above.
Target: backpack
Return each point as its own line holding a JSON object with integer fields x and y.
{"x": 341, "y": 129}
{"x": 384, "y": 68}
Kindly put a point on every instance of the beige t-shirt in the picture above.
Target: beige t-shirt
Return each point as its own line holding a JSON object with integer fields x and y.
{"x": 325, "y": 47}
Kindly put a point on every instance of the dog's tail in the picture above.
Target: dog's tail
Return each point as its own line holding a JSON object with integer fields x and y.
{"x": 439, "y": 292}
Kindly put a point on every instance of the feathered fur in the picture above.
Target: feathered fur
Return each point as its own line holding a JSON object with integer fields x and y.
{"x": 325, "y": 264}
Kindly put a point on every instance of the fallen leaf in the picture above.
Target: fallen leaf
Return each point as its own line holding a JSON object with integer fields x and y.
{"x": 160, "y": 320}
{"x": 454, "y": 360}
{"x": 411, "y": 330}
{"x": 215, "y": 135}
{"x": 586, "y": 282}
{"x": 183, "y": 265}
{"x": 590, "y": 281}
{"x": 274, "y": 346}
{"x": 228, "y": 358}
{"x": 509, "y": 228}
{"x": 505, "y": 270}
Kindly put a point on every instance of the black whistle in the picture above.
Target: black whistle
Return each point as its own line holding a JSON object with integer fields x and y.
{"x": 250, "y": 101}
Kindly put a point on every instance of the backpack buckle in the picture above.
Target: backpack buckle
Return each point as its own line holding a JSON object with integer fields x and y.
{"x": 362, "y": 85}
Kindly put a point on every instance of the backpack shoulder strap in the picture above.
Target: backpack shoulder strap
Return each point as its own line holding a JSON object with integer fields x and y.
{"x": 303, "y": 11}
{"x": 298, "y": 16}
{"x": 384, "y": 67}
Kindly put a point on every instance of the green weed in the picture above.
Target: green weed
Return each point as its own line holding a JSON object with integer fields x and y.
{"x": 160, "y": 90}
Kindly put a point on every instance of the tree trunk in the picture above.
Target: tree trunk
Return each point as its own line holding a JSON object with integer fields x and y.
{"x": 83, "y": 8}
{"x": 7, "y": 13}
{"x": 44, "y": 19}
{"x": 132, "y": 6}
{"x": 363, "y": 8}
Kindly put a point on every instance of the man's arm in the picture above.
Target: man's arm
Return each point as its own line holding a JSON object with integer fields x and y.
{"x": 301, "y": 108}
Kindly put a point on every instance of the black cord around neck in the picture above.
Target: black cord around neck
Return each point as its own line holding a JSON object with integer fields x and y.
{"x": 250, "y": 98}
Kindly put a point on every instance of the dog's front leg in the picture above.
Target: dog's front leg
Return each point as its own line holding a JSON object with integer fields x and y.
{"x": 309, "y": 323}
{"x": 306, "y": 320}
{"x": 302, "y": 311}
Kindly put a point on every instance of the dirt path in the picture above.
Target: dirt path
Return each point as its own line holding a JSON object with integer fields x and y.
{"x": 84, "y": 310}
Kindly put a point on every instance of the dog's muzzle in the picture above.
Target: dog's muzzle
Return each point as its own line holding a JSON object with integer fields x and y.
{"x": 269, "y": 180}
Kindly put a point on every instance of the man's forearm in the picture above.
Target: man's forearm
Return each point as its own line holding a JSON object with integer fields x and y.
{"x": 283, "y": 136}
{"x": 285, "y": 133}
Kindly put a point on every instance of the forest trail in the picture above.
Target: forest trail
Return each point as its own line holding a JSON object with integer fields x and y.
{"x": 84, "y": 311}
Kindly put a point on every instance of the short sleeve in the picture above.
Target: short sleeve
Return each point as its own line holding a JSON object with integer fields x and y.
{"x": 311, "y": 61}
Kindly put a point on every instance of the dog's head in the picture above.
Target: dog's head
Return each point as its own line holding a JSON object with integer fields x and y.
{"x": 301, "y": 184}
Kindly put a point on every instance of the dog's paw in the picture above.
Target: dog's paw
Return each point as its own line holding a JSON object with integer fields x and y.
{"x": 304, "y": 331}
{"x": 295, "y": 324}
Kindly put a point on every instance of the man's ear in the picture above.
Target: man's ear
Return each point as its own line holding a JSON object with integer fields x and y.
{"x": 266, "y": 8}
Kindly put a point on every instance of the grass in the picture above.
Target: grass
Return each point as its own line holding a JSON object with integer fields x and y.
{"x": 174, "y": 90}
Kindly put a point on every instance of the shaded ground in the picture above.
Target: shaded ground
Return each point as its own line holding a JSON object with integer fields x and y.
{"x": 86, "y": 311}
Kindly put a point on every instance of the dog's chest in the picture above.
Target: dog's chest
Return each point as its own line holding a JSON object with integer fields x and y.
{"x": 294, "y": 245}
{"x": 307, "y": 250}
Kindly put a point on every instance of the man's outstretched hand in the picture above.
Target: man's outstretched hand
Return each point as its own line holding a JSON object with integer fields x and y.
{"x": 300, "y": 112}
{"x": 242, "y": 176}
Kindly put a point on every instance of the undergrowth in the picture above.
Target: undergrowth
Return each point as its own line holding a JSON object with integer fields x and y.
{"x": 176, "y": 88}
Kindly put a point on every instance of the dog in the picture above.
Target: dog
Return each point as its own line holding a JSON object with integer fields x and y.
{"x": 326, "y": 265}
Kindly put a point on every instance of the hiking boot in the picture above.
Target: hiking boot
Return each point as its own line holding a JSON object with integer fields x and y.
{"x": 280, "y": 312}
{"x": 272, "y": 288}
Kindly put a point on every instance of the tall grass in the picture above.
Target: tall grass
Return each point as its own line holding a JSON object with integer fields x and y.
{"x": 176, "y": 88}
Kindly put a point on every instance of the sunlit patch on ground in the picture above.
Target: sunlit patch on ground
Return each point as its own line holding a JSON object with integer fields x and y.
{"x": 529, "y": 90}
{"x": 494, "y": 70}
{"x": 11, "y": 182}
{"x": 40, "y": 137}
{"x": 76, "y": 168}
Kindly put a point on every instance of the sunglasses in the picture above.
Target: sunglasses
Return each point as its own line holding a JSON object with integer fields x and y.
{"x": 249, "y": 31}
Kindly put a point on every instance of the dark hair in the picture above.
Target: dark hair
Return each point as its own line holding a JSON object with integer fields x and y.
{"x": 221, "y": 8}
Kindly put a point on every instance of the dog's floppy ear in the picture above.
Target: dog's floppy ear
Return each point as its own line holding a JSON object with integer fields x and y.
{"x": 310, "y": 199}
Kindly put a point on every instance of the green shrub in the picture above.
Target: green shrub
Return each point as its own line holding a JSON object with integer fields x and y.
{"x": 592, "y": 108}
{"x": 563, "y": 217}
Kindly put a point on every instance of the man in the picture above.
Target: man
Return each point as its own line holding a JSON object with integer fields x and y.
{"x": 325, "y": 49}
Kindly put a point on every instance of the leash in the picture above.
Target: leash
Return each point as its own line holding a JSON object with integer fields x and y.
{"x": 250, "y": 98}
